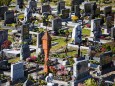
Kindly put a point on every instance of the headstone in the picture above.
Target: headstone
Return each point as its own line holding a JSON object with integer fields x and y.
{"x": 107, "y": 10}
{"x": 25, "y": 32}
{"x": 77, "y": 10}
{"x": 45, "y": 8}
{"x": 109, "y": 24}
{"x": 33, "y": 5}
{"x": 9, "y": 17}
{"x": 87, "y": 8}
{"x": 17, "y": 71}
{"x": 27, "y": 14}
{"x": 77, "y": 34}
{"x": 24, "y": 51}
{"x": 97, "y": 12}
{"x": 39, "y": 39}
{"x": 3, "y": 36}
{"x": 3, "y": 9}
{"x": 80, "y": 71}
{"x": 113, "y": 33}
{"x": 65, "y": 13}
{"x": 106, "y": 59}
{"x": 56, "y": 24}
{"x": 61, "y": 5}
{"x": 95, "y": 29}
{"x": 20, "y": 3}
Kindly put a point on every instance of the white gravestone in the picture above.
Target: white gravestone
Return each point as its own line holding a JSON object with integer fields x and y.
{"x": 17, "y": 71}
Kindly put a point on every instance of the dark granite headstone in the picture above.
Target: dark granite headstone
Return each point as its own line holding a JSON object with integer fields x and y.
{"x": 107, "y": 10}
{"x": 61, "y": 5}
{"x": 46, "y": 8}
{"x": 87, "y": 9}
{"x": 20, "y": 3}
{"x": 77, "y": 10}
{"x": 3, "y": 9}
{"x": 25, "y": 32}
{"x": 65, "y": 13}
{"x": 56, "y": 24}
{"x": 33, "y": 5}
{"x": 9, "y": 17}
{"x": 113, "y": 33}
{"x": 109, "y": 24}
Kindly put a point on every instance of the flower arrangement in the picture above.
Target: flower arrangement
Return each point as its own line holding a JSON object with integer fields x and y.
{"x": 6, "y": 44}
{"x": 74, "y": 18}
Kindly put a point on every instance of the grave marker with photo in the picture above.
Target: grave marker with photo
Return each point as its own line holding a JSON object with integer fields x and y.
{"x": 17, "y": 71}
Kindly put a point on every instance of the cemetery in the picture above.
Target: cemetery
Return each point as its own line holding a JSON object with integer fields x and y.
{"x": 57, "y": 43}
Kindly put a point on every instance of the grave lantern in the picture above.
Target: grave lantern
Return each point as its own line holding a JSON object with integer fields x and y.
{"x": 46, "y": 45}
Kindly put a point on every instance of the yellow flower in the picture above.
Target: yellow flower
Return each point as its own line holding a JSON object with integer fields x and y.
{"x": 74, "y": 18}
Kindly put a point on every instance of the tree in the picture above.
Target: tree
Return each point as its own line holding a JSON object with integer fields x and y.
{"x": 5, "y": 2}
{"x": 90, "y": 82}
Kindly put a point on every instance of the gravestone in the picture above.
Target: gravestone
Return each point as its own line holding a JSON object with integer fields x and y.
{"x": 87, "y": 9}
{"x": 9, "y": 17}
{"x": 24, "y": 51}
{"x": 20, "y": 3}
{"x": 93, "y": 9}
{"x": 96, "y": 29}
{"x": 109, "y": 24}
{"x": 106, "y": 60}
{"x": 56, "y": 24}
{"x": 113, "y": 33}
{"x": 77, "y": 34}
{"x": 27, "y": 14}
{"x": 3, "y": 36}
{"x": 77, "y": 10}
{"x": 25, "y": 32}
{"x": 75, "y": 2}
{"x": 33, "y": 5}
{"x": 107, "y": 10}
{"x": 3, "y": 9}
{"x": 17, "y": 71}
{"x": 61, "y": 5}
{"x": 65, "y": 13}
{"x": 97, "y": 12}
{"x": 80, "y": 71}
{"x": 45, "y": 8}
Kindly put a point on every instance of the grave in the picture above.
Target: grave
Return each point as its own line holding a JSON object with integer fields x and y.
{"x": 33, "y": 5}
{"x": 80, "y": 71}
{"x": 25, "y": 33}
{"x": 109, "y": 24}
{"x": 24, "y": 51}
{"x": 9, "y": 17}
{"x": 87, "y": 9}
{"x": 107, "y": 10}
{"x": 61, "y": 5}
{"x": 17, "y": 71}
{"x": 65, "y": 13}
{"x": 19, "y": 3}
{"x": 3, "y": 36}
{"x": 113, "y": 33}
{"x": 77, "y": 34}
{"x": 46, "y": 8}
{"x": 3, "y": 9}
{"x": 96, "y": 29}
{"x": 56, "y": 24}
{"x": 77, "y": 10}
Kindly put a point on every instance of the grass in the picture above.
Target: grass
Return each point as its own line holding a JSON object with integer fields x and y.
{"x": 86, "y": 32}
{"x": 14, "y": 60}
